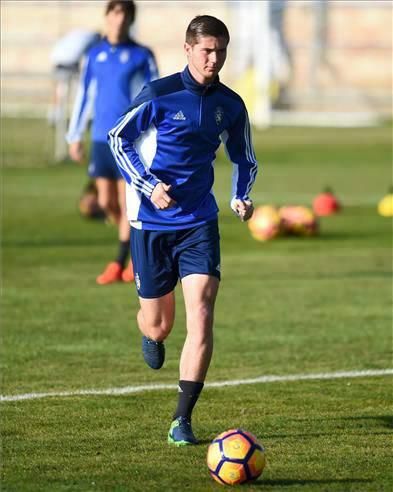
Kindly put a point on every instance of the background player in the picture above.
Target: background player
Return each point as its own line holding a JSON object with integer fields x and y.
{"x": 115, "y": 70}
{"x": 165, "y": 147}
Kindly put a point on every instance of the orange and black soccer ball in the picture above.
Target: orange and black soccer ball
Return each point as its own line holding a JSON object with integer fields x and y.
{"x": 235, "y": 457}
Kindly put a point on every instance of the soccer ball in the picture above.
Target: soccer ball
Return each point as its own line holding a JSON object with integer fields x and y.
{"x": 265, "y": 223}
{"x": 299, "y": 221}
{"x": 326, "y": 203}
{"x": 235, "y": 457}
{"x": 385, "y": 206}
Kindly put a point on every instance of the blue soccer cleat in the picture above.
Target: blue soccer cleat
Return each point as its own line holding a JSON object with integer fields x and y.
{"x": 180, "y": 433}
{"x": 153, "y": 352}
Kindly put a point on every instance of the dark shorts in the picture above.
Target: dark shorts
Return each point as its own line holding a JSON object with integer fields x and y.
{"x": 102, "y": 163}
{"x": 160, "y": 258}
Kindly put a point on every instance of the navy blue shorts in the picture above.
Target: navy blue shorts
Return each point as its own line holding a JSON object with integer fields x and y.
{"x": 102, "y": 163}
{"x": 160, "y": 258}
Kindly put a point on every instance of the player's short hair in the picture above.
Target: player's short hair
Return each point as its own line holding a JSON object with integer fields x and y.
{"x": 128, "y": 7}
{"x": 206, "y": 25}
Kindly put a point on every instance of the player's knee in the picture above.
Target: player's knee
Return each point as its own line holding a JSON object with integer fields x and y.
{"x": 201, "y": 321}
{"x": 204, "y": 313}
{"x": 159, "y": 331}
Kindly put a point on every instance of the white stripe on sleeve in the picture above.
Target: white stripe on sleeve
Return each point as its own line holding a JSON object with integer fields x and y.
{"x": 121, "y": 156}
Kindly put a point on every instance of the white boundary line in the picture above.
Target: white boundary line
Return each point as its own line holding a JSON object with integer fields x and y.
{"x": 127, "y": 390}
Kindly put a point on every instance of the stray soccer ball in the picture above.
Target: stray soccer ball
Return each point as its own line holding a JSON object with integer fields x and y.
{"x": 326, "y": 203}
{"x": 299, "y": 221}
{"x": 235, "y": 457}
{"x": 385, "y": 206}
{"x": 265, "y": 223}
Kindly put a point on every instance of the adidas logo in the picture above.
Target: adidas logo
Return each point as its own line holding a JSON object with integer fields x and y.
{"x": 179, "y": 116}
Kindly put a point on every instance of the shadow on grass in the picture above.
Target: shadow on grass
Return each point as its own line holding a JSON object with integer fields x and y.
{"x": 205, "y": 441}
{"x": 382, "y": 427}
{"x": 282, "y": 482}
{"x": 310, "y": 435}
{"x": 385, "y": 420}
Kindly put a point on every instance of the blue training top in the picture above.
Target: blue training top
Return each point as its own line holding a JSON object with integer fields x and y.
{"x": 111, "y": 78}
{"x": 171, "y": 134}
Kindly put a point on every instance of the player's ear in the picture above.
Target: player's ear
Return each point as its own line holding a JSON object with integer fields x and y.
{"x": 187, "y": 49}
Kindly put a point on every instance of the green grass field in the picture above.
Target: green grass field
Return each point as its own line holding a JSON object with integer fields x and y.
{"x": 290, "y": 306}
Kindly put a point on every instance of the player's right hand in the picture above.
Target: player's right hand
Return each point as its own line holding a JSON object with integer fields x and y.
{"x": 76, "y": 151}
{"x": 242, "y": 208}
{"x": 160, "y": 197}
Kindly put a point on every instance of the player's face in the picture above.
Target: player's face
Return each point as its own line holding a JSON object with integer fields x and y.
{"x": 117, "y": 23}
{"x": 206, "y": 58}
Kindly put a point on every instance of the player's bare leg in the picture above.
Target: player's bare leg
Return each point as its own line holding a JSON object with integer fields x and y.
{"x": 108, "y": 200}
{"x": 124, "y": 227}
{"x": 155, "y": 320}
{"x": 200, "y": 292}
{"x": 156, "y": 316}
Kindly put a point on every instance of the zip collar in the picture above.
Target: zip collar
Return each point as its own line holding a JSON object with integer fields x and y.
{"x": 123, "y": 44}
{"x": 193, "y": 86}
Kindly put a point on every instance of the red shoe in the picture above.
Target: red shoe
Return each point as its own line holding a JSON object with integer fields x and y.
{"x": 111, "y": 274}
{"x": 128, "y": 274}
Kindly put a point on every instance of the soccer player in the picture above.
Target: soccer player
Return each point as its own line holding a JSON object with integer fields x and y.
{"x": 115, "y": 71}
{"x": 165, "y": 147}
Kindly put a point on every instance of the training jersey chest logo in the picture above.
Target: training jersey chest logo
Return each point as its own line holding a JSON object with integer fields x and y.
{"x": 219, "y": 115}
{"x": 124, "y": 56}
{"x": 179, "y": 116}
{"x": 102, "y": 56}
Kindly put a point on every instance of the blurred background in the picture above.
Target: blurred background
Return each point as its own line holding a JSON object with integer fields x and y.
{"x": 313, "y": 62}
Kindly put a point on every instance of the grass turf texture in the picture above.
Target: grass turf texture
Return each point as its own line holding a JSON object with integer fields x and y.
{"x": 289, "y": 306}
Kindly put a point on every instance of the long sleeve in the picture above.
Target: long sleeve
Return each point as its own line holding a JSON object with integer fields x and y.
{"x": 124, "y": 140}
{"x": 83, "y": 103}
{"x": 239, "y": 148}
{"x": 150, "y": 68}
{"x": 145, "y": 74}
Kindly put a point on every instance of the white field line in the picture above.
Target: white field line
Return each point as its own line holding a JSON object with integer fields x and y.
{"x": 127, "y": 390}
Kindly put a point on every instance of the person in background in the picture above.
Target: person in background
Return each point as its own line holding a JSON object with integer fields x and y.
{"x": 115, "y": 70}
{"x": 165, "y": 147}
{"x": 65, "y": 59}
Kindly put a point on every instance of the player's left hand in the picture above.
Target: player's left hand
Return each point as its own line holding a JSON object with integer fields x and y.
{"x": 160, "y": 197}
{"x": 242, "y": 208}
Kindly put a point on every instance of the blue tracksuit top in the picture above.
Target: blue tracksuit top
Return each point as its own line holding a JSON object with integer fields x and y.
{"x": 171, "y": 134}
{"x": 112, "y": 76}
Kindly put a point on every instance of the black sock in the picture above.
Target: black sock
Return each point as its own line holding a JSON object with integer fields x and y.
{"x": 124, "y": 249}
{"x": 189, "y": 392}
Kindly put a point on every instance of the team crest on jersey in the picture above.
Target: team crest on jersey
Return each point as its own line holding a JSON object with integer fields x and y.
{"x": 137, "y": 281}
{"x": 102, "y": 56}
{"x": 124, "y": 56}
{"x": 219, "y": 115}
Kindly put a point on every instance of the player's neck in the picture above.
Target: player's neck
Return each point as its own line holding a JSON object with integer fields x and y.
{"x": 199, "y": 78}
{"x": 115, "y": 39}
